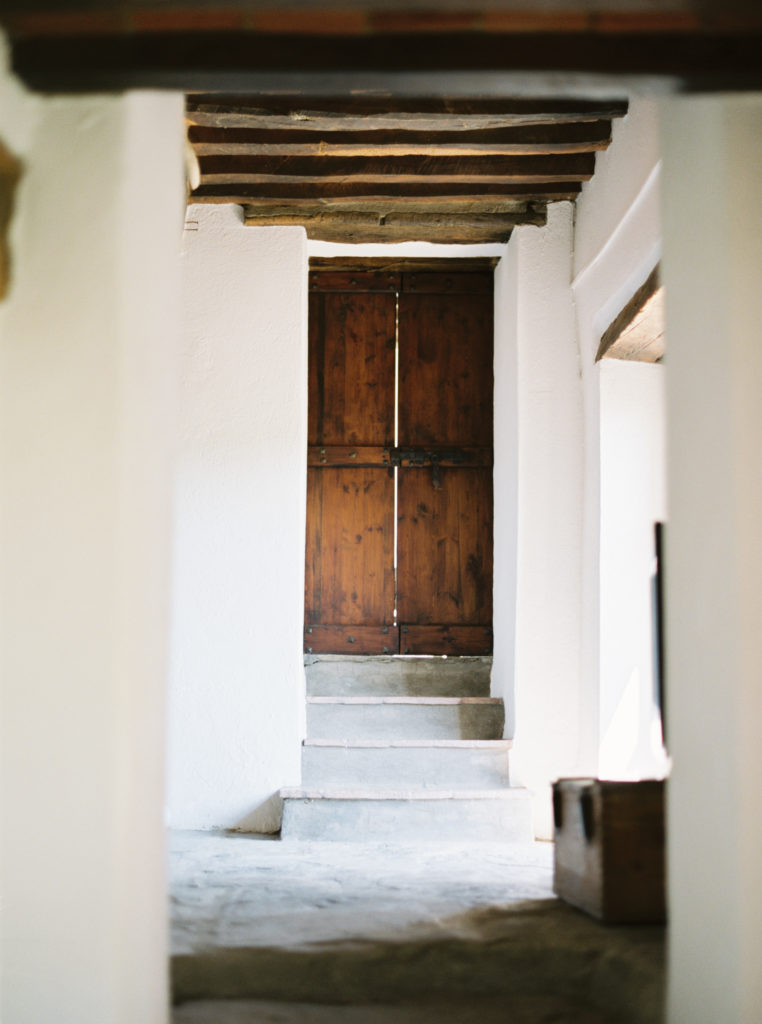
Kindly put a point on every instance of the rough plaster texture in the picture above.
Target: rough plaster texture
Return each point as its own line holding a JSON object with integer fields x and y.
{"x": 87, "y": 361}
{"x": 713, "y": 262}
{"x": 237, "y": 677}
{"x": 542, "y": 504}
{"x": 617, "y": 243}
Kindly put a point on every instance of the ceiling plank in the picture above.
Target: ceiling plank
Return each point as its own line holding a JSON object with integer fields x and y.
{"x": 588, "y": 133}
{"x": 318, "y": 120}
{"x": 236, "y": 169}
{"x": 362, "y": 226}
{"x": 420, "y": 190}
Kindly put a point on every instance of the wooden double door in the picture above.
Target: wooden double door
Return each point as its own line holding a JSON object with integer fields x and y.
{"x": 399, "y": 490}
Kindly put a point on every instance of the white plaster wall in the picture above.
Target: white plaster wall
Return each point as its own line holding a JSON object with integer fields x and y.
{"x": 633, "y": 498}
{"x": 617, "y": 243}
{"x": 86, "y": 414}
{"x": 505, "y": 481}
{"x": 712, "y": 207}
{"x": 541, "y": 345}
{"x": 237, "y": 676}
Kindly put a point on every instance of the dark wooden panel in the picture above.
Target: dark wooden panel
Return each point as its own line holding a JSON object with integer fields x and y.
{"x": 354, "y": 281}
{"x": 348, "y": 455}
{"x": 443, "y": 283}
{"x": 444, "y": 570}
{"x": 351, "y": 368}
{"x": 445, "y": 369}
{"x": 453, "y": 640}
{"x": 321, "y": 639}
{"x": 436, "y": 455}
{"x": 350, "y": 538}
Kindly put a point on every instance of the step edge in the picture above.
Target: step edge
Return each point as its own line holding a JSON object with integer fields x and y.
{"x": 421, "y": 744}
{"x": 380, "y": 794}
{"x": 422, "y": 701}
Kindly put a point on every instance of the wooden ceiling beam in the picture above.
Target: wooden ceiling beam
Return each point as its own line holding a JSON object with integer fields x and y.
{"x": 420, "y": 190}
{"x": 574, "y": 166}
{"x": 365, "y": 226}
{"x": 318, "y": 120}
{"x": 584, "y": 137}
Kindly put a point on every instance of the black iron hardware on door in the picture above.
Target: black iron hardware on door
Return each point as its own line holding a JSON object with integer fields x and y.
{"x": 430, "y": 457}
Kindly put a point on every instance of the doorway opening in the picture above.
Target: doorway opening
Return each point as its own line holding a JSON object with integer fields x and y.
{"x": 399, "y": 508}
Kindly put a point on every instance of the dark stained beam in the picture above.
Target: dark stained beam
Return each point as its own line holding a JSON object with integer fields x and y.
{"x": 421, "y": 191}
{"x": 440, "y": 170}
{"x": 194, "y": 60}
{"x": 536, "y": 141}
{"x": 399, "y": 264}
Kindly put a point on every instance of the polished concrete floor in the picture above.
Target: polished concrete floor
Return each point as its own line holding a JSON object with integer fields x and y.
{"x": 269, "y": 931}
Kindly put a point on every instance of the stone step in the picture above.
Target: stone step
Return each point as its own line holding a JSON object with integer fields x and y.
{"x": 415, "y": 718}
{"x": 406, "y": 815}
{"x": 448, "y": 764}
{"x": 335, "y": 675}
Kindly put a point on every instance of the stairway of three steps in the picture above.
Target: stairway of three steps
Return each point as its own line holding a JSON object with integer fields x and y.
{"x": 404, "y": 750}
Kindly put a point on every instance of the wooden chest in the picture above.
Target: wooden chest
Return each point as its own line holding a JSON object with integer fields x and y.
{"x": 609, "y": 848}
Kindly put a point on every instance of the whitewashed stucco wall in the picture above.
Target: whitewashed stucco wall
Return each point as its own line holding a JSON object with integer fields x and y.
{"x": 538, "y": 507}
{"x": 237, "y": 678}
{"x": 617, "y": 243}
{"x": 87, "y": 365}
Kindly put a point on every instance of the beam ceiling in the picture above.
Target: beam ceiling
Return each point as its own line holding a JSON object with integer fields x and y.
{"x": 372, "y": 169}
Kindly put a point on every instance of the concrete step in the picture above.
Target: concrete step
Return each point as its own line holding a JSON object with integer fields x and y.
{"x": 336, "y": 675}
{"x": 406, "y": 815}
{"x": 440, "y": 718}
{"x": 446, "y": 764}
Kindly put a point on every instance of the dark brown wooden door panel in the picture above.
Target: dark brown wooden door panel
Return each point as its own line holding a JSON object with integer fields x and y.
{"x": 444, "y": 543}
{"x": 453, "y": 640}
{"x": 351, "y": 640}
{"x": 350, "y": 546}
{"x": 440, "y": 464}
{"x": 445, "y": 369}
{"x": 351, "y": 368}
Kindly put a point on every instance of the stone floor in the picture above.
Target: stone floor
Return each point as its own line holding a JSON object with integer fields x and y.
{"x": 311, "y": 933}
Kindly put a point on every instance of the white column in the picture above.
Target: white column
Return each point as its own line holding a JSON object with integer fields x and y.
{"x": 712, "y": 203}
{"x": 237, "y": 703}
{"x": 544, "y": 445}
{"x": 87, "y": 364}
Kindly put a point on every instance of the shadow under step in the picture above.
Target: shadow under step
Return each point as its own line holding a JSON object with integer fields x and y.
{"x": 406, "y": 815}
{"x": 443, "y": 764}
{"x": 456, "y": 718}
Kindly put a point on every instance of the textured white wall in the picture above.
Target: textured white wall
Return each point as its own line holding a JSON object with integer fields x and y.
{"x": 713, "y": 263}
{"x": 87, "y": 360}
{"x": 237, "y": 675}
{"x": 540, "y": 347}
{"x": 617, "y": 243}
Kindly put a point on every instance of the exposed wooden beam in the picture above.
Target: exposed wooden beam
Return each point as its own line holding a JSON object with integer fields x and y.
{"x": 419, "y": 190}
{"x": 400, "y": 264}
{"x": 584, "y": 137}
{"x": 271, "y": 61}
{"x": 637, "y": 333}
{"x": 222, "y": 170}
{"x": 384, "y": 205}
{"x": 364, "y": 226}
{"x": 359, "y": 115}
